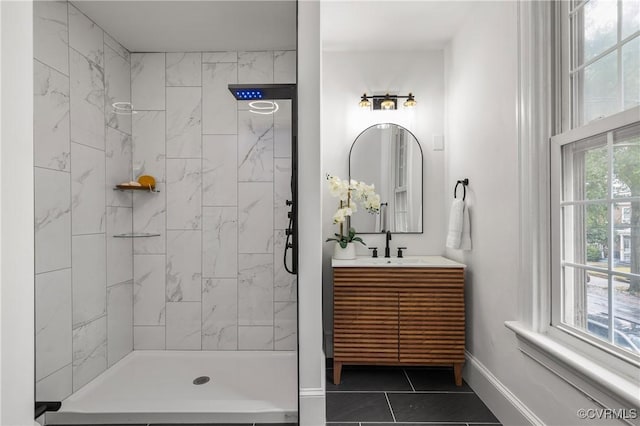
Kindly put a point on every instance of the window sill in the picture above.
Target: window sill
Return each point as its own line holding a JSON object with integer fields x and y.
{"x": 605, "y": 386}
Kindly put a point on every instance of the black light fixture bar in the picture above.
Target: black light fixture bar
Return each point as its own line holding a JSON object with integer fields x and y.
{"x": 378, "y": 101}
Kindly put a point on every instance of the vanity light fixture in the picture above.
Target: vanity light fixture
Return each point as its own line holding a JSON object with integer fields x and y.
{"x": 410, "y": 102}
{"x": 386, "y": 101}
{"x": 364, "y": 101}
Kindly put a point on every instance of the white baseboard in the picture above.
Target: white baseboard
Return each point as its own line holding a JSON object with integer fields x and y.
{"x": 500, "y": 400}
{"x": 312, "y": 407}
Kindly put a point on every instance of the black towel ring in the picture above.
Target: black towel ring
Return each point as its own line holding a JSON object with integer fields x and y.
{"x": 464, "y": 183}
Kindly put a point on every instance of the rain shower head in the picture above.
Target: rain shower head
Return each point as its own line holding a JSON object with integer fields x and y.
{"x": 251, "y": 92}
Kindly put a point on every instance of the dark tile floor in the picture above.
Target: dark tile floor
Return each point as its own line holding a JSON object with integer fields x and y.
{"x": 380, "y": 396}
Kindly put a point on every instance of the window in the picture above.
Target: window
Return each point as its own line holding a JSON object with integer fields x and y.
{"x": 596, "y": 179}
{"x": 605, "y": 58}
{"x": 599, "y": 253}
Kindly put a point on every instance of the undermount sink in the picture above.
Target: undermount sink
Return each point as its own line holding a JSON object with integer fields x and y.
{"x": 394, "y": 260}
{"x": 407, "y": 261}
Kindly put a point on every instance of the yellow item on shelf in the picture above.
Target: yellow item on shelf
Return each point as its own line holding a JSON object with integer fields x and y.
{"x": 147, "y": 181}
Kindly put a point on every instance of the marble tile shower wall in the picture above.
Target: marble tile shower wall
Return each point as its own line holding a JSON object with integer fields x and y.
{"x": 214, "y": 279}
{"x": 84, "y": 276}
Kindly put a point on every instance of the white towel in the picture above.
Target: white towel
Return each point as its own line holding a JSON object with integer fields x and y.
{"x": 459, "y": 234}
{"x": 465, "y": 244}
{"x": 454, "y": 235}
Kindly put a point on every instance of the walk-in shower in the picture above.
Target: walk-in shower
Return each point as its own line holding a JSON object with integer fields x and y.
{"x": 172, "y": 305}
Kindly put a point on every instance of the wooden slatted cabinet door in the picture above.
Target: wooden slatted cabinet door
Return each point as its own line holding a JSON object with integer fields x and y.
{"x": 365, "y": 325}
{"x": 432, "y": 323}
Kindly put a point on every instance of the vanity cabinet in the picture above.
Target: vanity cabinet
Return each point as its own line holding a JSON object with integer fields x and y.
{"x": 399, "y": 316}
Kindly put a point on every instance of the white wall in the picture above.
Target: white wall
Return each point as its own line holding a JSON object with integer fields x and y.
{"x": 345, "y": 76}
{"x": 16, "y": 228}
{"x": 482, "y": 75}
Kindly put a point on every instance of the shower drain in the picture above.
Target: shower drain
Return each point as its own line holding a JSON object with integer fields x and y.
{"x": 201, "y": 380}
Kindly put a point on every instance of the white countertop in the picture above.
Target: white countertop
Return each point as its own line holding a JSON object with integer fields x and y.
{"x": 395, "y": 262}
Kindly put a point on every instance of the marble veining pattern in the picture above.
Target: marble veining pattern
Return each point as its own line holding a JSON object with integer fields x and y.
{"x": 149, "y": 290}
{"x": 184, "y": 266}
{"x": 255, "y": 338}
{"x": 119, "y": 321}
{"x": 184, "y": 194}
{"x": 184, "y": 325}
{"x": 148, "y": 337}
{"x": 184, "y": 69}
{"x": 86, "y": 100}
{"x": 52, "y": 220}
{"x": 148, "y": 81}
{"x": 117, "y": 81}
{"x": 88, "y": 189}
{"x": 117, "y": 47}
{"x": 85, "y": 36}
{"x": 219, "y": 114}
{"x": 88, "y": 262}
{"x": 213, "y": 57}
{"x": 81, "y": 150}
{"x": 255, "y": 289}
{"x": 56, "y": 386}
{"x": 184, "y": 117}
{"x": 214, "y": 279}
{"x": 148, "y": 129}
{"x": 282, "y": 130}
{"x": 284, "y": 66}
{"x": 282, "y": 186}
{"x": 255, "y": 147}
{"x": 220, "y": 170}
{"x": 285, "y": 332}
{"x": 220, "y": 314}
{"x": 51, "y": 118}
{"x": 255, "y": 217}
{"x": 51, "y": 34}
{"x": 53, "y": 321}
{"x": 255, "y": 67}
{"x": 89, "y": 351}
{"x": 220, "y": 242}
{"x": 119, "y": 250}
{"x": 284, "y": 283}
{"x": 150, "y": 215}
{"x": 118, "y": 154}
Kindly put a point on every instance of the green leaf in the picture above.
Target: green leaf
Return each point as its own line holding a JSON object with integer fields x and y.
{"x": 343, "y": 244}
{"x": 358, "y": 239}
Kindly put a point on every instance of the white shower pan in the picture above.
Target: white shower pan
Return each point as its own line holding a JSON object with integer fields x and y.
{"x": 157, "y": 386}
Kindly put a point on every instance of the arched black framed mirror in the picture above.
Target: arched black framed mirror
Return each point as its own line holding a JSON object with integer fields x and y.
{"x": 390, "y": 157}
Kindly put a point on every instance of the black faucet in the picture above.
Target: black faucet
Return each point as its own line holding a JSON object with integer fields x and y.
{"x": 386, "y": 248}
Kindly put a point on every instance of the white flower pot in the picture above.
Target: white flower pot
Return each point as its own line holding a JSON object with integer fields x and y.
{"x": 347, "y": 253}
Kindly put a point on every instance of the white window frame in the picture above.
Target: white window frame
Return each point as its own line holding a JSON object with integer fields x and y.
{"x": 568, "y": 130}
{"x": 603, "y": 126}
{"x": 570, "y": 69}
{"x": 601, "y": 377}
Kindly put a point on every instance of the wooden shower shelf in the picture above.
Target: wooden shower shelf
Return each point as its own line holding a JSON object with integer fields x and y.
{"x": 136, "y": 235}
